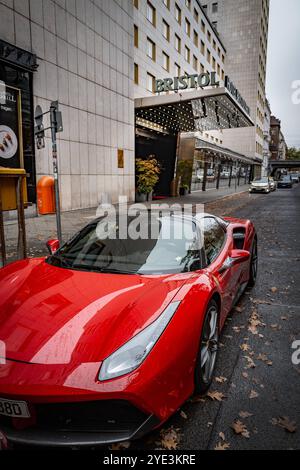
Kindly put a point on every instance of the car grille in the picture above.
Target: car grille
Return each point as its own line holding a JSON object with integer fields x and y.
{"x": 97, "y": 416}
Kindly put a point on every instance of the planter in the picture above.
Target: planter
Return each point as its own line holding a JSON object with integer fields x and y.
{"x": 183, "y": 191}
{"x": 150, "y": 196}
{"x": 140, "y": 197}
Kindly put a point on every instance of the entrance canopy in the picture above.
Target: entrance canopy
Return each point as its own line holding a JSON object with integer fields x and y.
{"x": 191, "y": 111}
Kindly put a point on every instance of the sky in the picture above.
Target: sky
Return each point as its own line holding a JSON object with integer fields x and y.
{"x": 283, "y": 67}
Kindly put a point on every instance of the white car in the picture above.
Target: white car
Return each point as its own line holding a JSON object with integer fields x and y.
{"x": 260, "y": 185}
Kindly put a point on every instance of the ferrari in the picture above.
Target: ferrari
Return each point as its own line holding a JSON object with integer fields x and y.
{"x": 105, "y": 338}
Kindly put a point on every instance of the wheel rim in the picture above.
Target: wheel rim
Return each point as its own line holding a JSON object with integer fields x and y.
{"x": 209, "y": 345}
{"x": 254, "y": 262}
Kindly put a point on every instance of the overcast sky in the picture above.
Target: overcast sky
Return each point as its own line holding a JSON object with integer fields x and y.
{"x": 283, "y": 66}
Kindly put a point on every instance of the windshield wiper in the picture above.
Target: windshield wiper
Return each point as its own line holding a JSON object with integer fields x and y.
{"x": 99, "y": 269}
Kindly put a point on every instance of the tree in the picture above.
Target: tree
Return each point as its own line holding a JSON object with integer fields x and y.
{"x": 293, "y": 153}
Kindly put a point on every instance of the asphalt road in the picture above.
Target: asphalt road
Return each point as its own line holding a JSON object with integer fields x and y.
{"x": 273, "y": 381}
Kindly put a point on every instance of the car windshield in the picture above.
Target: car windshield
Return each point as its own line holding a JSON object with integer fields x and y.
{"x": 286, "y": 178}
{"x": 260, "y": 180}
{"x": 172, "y": 247}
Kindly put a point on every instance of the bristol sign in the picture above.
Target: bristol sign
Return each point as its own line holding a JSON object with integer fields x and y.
{"x": 186, "y": 81}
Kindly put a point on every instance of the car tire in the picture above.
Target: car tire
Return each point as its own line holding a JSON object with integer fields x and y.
{"x": 208, "y": 349}
{"x": 253, "y": 264}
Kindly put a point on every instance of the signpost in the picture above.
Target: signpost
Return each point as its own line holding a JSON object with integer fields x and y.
{"x": 56, "y": 126}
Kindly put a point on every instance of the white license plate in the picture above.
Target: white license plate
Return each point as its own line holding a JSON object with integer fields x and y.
{"x": 14, "y": 409}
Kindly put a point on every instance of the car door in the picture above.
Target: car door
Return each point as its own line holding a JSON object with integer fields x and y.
{"x": 217, "y": 245}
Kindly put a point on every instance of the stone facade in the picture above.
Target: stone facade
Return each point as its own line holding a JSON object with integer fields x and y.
{"x": 85, "y": 57}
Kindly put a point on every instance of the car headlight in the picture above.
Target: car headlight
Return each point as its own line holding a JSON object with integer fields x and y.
{"x": 129, "y": 356}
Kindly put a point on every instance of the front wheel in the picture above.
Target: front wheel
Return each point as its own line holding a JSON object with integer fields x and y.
{"x": 207, "y": 354}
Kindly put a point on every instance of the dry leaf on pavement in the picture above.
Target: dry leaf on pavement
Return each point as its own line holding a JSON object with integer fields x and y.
{"x": 285, "y": 423}
{"x": 216, "y": 395}
{"x": 169, "y": 438}
{"x": 222, "y": 446}
{"x": 245, "y": 414}
{"x": 220, "y": 379}
{"x": 222, "y": 436}
{"x": 183, "y": 415}
{"x": 120, "y": 445}
{"x": 240, "y": 428}
{"x": 253, "y": 394}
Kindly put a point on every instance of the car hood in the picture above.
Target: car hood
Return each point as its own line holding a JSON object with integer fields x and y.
{"x": 259, "y": 184}
{"x": 52, "y": 315}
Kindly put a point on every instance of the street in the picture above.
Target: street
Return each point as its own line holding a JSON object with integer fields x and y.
{"x": 253, "y": 365}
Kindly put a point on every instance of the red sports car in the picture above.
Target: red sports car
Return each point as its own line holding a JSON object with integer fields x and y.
{"x": 107, "y": 337}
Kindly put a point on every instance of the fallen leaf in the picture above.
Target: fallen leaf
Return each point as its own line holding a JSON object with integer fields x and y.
{"x": 220, "y": 379}
{"x": 240, "y": 428}
{"x": 251, "y": 364}
{"x": 245, "y": 347}
{"x": 222, "y": 436}
{"x": 274, "y": 289}
{"x": 239, "y": 309}
{"x": 222, "y": 446}
{"x": 120, "y": 445}
{"x": 216, "y": 395}
{"x": 183, "y": 415}
{"x": 245, "y": 414}
{"x": 245, "y": 375}
{"x": 169, "y": 439}
{"x": 253, "y": 394}
{"x": 285, "y": 423}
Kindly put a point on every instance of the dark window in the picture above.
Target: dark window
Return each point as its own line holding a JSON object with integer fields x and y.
{"x": 214, "y": 237}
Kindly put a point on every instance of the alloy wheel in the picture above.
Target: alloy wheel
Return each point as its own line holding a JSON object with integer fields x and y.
{"x": 209, "y": 344}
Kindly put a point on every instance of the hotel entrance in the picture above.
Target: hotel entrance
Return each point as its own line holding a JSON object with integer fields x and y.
{"x": 166, "y": 126}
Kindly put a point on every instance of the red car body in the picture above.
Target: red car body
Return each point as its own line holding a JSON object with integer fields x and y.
{"x": 58, "y": 325}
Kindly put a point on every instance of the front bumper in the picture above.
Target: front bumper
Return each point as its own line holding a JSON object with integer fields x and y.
{"x": 78, "y": 424}
{"x": 259, "y": 190}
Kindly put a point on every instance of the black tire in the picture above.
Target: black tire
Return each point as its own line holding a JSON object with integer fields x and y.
{"x": 253, "y": 264}
{"x": 204, "y": 371}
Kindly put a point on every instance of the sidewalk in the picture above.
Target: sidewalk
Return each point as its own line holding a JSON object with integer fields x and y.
{"x": 41, "y": 229}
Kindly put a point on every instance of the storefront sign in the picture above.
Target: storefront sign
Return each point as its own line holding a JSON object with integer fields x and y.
{"x": 236, "y": 94}
{"x": 186, "y": 82}
{"x": 10, "y": 128}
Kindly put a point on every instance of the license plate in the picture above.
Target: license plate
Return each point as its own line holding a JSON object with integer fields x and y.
{"x": 14, "y": 409}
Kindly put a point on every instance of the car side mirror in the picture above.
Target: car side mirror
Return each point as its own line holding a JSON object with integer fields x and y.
{"x": 235, "y": 257}
{"x": 52, "y": 245}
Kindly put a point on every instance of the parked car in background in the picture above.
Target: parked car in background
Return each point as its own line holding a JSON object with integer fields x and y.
{"x": 285, "y": 182}
{"x": 294, "y": 177}
{"x": 273, "y": 183}
{"x": 210, "y": 176}
{"x": 260, "y": 185}
{"x": 225, "y": 174}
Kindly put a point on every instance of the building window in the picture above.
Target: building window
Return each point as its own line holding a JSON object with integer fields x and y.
{"x": 166, "y": 30}
{"x": 187, "y": 54}
{"x": 151, "y": 13}
{"x": 204, "y": 8}
{"x": 136, "y": 3}
{"x": 202, "y": 26}
{"x": 214, "y": 45}
{"x": 150, "y": 82}
{"x": 177, "y": 43}
{"x": 167, "y": 4}
{"x": 201, "y": 68}
{"x": 136, "y": 74}
{"x": 209, "y": 36}
{"x": 195, "y": 63}
{"x": 214, "y": 63}
{"x": 219, "y": 69}
{"x": 196, "y": 15}
{"x": 196, "y": 38}
{"x": 202, "y": 48}
{"x": 208, "y": 56}
{"x": 151, "y": 49}
{"x": 188, "y": 4}
{"x": 223, "y": 58}
{"x": 187, "y": 27}
{"x": 215, "y": 7}
{"x": 166, "y": 62}
{"x": 177, "y": 13}
{"x": 177, "y": 70}
{"x": 223, "y": 75}
{"x": 219, "y": 52}
{"x": 215, "y": 25}
{"x": 136, "y": 36}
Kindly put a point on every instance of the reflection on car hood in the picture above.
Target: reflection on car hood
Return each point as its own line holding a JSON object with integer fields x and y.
{"x": 51, "y": 315}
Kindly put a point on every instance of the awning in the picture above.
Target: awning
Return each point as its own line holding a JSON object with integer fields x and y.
{"x": 191, "y": 111}
{"x": 221, "y": 152}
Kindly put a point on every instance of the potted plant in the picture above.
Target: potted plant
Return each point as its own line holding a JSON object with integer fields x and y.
{"x": 147, "y": 175}
{"x": 184, "y": 189}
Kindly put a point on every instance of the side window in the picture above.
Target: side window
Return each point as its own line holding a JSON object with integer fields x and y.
{"x": 214, "y": 237}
